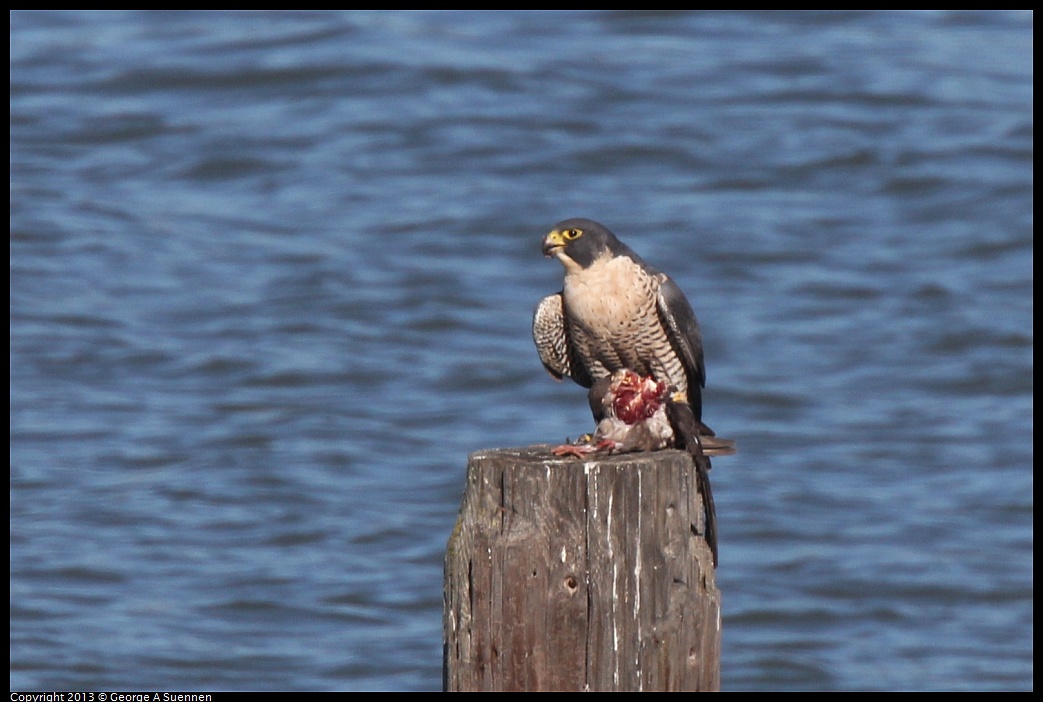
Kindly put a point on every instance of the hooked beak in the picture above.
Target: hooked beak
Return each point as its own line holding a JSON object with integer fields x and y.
{"x": 553, "y": 244}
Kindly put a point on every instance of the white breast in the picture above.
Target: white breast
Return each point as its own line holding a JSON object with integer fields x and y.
{"x": 602, "y": 299}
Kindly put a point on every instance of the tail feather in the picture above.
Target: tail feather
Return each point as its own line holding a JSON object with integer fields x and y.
{"x": 687, "y": 432}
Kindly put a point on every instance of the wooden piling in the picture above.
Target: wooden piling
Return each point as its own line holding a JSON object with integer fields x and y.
{"x": 580, "y": 574}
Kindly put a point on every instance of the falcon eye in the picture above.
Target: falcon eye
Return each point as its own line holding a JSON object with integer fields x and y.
{"x": 571, "y": 234}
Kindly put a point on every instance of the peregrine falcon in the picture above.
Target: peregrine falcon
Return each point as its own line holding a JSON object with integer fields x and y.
{"x": 614, "y": 313}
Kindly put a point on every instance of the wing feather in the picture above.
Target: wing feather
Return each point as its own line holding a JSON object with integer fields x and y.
{"x": 554, "y": 344}
{"x": 682, "y": 330}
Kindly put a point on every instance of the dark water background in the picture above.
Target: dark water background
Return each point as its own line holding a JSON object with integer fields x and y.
{"x": 272, "y": 278}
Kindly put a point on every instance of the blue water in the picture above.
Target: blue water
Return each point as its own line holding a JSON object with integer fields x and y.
{"x": 272, "y": 276}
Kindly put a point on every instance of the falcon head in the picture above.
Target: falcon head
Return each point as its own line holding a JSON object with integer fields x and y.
{"x": 579, "y": 242}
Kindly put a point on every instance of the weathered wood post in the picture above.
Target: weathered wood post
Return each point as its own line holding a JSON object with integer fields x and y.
{"x": 580, "y": 574}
